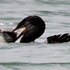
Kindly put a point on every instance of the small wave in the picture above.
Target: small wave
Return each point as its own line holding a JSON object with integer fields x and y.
{"x": 23, "y": 63}
{"x": 7, "y": 23}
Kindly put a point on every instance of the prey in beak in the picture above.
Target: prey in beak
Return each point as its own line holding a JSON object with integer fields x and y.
{"x": 9, "y": 36}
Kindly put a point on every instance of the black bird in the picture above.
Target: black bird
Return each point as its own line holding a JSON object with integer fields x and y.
{"x": 31, "y": 28}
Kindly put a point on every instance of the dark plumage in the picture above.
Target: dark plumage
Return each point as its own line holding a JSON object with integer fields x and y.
{"x": 32, "y": 28}
{"x": 59, "y": 38}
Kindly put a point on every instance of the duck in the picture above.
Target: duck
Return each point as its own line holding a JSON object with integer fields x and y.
{"x": 31, "y": 28}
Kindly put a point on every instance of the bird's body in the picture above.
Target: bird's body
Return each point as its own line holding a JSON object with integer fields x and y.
{"x": 60, "y": 38}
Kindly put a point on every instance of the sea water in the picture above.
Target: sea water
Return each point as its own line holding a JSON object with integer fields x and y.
{"x": 36, "y": 55}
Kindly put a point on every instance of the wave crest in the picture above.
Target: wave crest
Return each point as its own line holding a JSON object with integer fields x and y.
{"x": 10, "y": 23}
